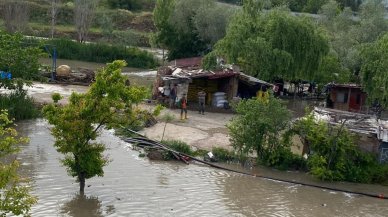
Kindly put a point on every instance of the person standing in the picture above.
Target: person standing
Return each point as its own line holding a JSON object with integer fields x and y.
{"x": 172, "y": 96}
{"x": 201, "y": 101}
{"x": 183, "y": 105}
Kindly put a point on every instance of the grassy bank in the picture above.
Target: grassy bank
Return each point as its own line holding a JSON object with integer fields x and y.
{"x": 19, "y": 106}
{"x": 101, "y": 53}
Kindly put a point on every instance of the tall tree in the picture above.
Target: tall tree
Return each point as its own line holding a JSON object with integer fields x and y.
{"x": 54, "y": 12}
{"x": 162, "y": 12}
{"x": 347, "y": 33}
{"x": 189, "y": 27}
{"x": 14, "y": 194}
{"x": 108, "y": 102}
{"x": 273, "y": 44}
{"x": 84, "y": 14}
{"x": 15, "y": 15}
{"x": 374, "y": 70}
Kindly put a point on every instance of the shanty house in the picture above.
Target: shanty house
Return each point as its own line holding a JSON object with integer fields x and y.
{"x": 346, "y": 97}
{"x": 187, "y": 76}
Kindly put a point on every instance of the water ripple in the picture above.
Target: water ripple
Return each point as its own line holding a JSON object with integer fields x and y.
{"x": 134, "y": 186}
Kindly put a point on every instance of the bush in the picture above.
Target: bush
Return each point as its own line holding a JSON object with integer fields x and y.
{"x": 178, "y": 146}
{"x": 283, "y": 159}
{"x": 260, "y": 126}
{"x": 223, "y": 155}
{"x": 19, "y": 105}
{"x": 102, "y": 53}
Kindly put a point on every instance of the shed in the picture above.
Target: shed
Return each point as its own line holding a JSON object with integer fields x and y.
{"x": 188, "y": 74}
{"x": 346, "y": 97}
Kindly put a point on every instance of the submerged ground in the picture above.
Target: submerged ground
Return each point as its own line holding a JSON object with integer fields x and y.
{"x": 134, "y": 186}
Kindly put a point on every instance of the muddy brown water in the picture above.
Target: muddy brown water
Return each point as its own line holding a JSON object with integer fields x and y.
{"x": 134, "y": 186}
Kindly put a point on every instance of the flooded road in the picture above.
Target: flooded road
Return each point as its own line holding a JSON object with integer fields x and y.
{"x": 134, "y": 186}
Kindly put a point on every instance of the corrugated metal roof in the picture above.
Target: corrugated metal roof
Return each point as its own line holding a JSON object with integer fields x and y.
{"x": 187, "y": 62}
{"x": 253, "y": 80}
{"x": 356, "y": 86}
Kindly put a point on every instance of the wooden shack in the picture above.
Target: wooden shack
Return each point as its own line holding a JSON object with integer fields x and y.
{"x": 346, "y": 97}
{"x": 190, "y": 78}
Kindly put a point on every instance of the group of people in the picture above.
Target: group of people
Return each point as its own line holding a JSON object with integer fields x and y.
{"x": 182, "y": 102}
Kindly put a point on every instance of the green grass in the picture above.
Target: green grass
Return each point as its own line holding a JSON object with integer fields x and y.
{"x": 19, "y": 106}
{"x": 178, "y": 146}
{"x": 223, "y": 155}
{"x": 103, "y": 53}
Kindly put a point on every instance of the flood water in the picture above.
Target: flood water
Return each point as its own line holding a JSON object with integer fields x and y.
{"x": 134, "y": 186}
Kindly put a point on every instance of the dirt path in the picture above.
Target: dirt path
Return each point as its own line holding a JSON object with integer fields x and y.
{"x": 201, "y": 131}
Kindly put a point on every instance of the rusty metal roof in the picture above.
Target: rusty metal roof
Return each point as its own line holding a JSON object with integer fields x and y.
{"x": 350, "y": 85}
{"x": 187, "y": 62}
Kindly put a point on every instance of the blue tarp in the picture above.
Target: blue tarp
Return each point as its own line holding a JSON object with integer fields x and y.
{"x": 5, "y": 75}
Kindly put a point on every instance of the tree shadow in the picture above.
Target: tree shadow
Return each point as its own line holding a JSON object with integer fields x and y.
{"x": 81, "y": 206}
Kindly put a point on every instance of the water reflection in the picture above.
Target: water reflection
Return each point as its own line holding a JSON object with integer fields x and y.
{"x": 82, "y": 205}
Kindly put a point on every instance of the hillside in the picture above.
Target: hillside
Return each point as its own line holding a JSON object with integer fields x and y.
{"x": 112, "y": 22}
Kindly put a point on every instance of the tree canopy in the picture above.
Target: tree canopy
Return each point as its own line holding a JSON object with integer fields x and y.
{"x": 14, "y": 194}
{"x": 189, "y": 28}
{"x": 108, "y": 103}
{"x": 374, "y": 70}
{"x": 18, "y": 58}
{"x": 273, "y": 44}
{"x": 348, "y": 33}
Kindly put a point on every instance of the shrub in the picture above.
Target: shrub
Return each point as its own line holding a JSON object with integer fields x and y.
{"x": 102, "y": 53}
{"x": 19, "y": 105}
{"x": 259, "y": 126}
{"x": 222, "y": 154}
{"x": 178, "y": 146}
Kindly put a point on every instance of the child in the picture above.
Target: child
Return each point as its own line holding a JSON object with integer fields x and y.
{"x": 183, "y": 105}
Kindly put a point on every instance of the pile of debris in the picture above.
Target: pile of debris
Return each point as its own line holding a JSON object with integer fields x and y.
{"x": 356, "y": 122}
{"x": 65, "y": 75}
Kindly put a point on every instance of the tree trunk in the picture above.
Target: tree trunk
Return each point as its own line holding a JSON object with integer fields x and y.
{"x": 53, "y": 13}
{"x": 81, "y": 179}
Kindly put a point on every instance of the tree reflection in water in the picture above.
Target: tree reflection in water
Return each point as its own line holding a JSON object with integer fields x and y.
{"x": 81, "y": 206}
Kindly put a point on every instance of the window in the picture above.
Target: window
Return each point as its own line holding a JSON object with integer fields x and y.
{"x": 342, "y": 97}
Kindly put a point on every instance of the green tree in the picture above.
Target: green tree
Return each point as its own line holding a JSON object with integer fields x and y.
{"x": 313, "y": 6}
{"x": 331, "y": 70}
{"x": 273, "y": 44}
{"x": 162, "y": 12}
{"x": 14, "y": 194}
{"x": 347, "y": 33}
{"x": 374, "y": 70}
{"x": 19, "y": 59}
{"x": 108, "y": 103}
{"x": 353, "y": 4}
{"x": 260, "y": 126}
{"x": 189, "y": 28}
